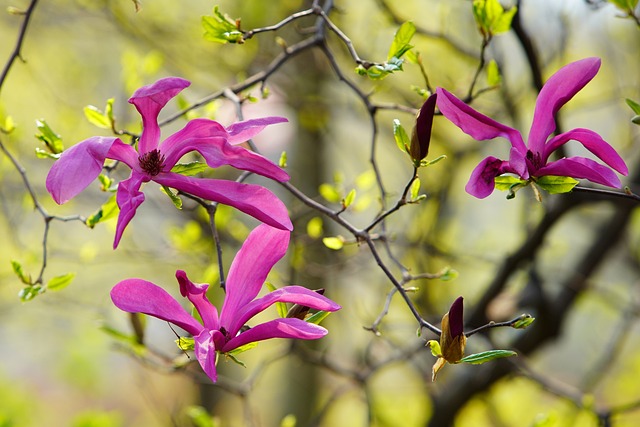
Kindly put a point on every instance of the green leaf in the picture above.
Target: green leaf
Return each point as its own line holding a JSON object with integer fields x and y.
{"x": 348, "y": 200}
{"x": 493, "y": 73}
{"x": 401, "y": 40}
{"x": 108, "y": 111}
{"x": 106, "y": 183}
{"x": 107, "y": 211}
{"x": 335, "y": 243}
{"x": 30, "y": 292}
{"x": 505, "y": 182}
{"x": 222, "y": 29}
{"x": 280, "y": 306}
{"x": 51, "y": 140}
{"x": 434, "y": 346}
{"x": 556, "y": 184}
{"x": 400, "y": 135}
{"x": 627, "y": 6}
{"x": 523, "y": 322}
{"x": 177, "y": 201}
{"x": 425, "y": 162}
{"x": 636, "y": 120}
{"x": 415, "y": 188}
{"x": 315, "y": 227}
{"x": 491, "y": 17}
{"x": 487, "y": 356}
{"x": 242, "y": 349}
{"x": 200, "y": 417}
{"x": 19, "y": 271}
{"x": 317, "y": 317}
{"x": 44, "y": 154}
{"x": 60, "y": 282}
{"x": 282, "y": 162}
{"x": 96, "y": 117}
{"x": 633, "y": 105}
{"x": 189, "y": 169}
{"x": 448, "y": 274}
{"x": 8, "y": 126}
{"x": 330, "y": 193}
{"x": 186, "y": 343}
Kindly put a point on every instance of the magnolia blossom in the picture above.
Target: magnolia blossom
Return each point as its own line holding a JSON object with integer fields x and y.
{"x": 452, "y": 338}
{"x": 81, "y": 164}
{"x": 263, "y": 248}
{"x": 530, "y": 161}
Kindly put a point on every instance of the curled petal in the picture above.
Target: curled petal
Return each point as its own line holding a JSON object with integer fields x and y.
{"x": 556, "y": 92}
{"x": 290, "y": 294}
{"x": 582, "y": 168}
{"x": 205, "y": 352}
{"x": 210, "y": 139}
{"x": 197, "y": 294}
{"x": 264, "y": 247}
{"x": 475, "y": 124}
{"x": 243, "y": 131}
{"x": 77, "y": 167}
{"x": 149, "y": 100}
{"x": 277, "y": 328}
{"x": 128, "y": 197}
{"x": 482, "y": 180}
{"x": 251, "y": 199}
{"x": 592, "y": 142}
{"x": 141, "y": 296}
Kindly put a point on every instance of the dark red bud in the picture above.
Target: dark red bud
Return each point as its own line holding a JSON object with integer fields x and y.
{"x": 456, "y": 321}
{"x": 421, "y": 134}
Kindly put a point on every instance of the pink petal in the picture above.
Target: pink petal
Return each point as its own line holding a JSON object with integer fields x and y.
{"x": 205, "y": 352}
{"x": 475, "y": 124}
{"x": 592, "y": 142}
{"x": 128, "y": 197}
{"x": 556, "y": 92}
{"x": 149, "y": 100}
{"x": 264, "y": 247}
{"x": 243, "y": 131}
{"x": 482, "y": 180}
{"x": 581, "y": 168}
{"x": 197, "y": 294}
{"x": 77, "y": 167}
{"x": 277, "y": 328}
{"x": 209, "y": 138}
{"x": 141, "y": 296}
{"x": 290, "y": 294}
{"x": 251, "y": 199}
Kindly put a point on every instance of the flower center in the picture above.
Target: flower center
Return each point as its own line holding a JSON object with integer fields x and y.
{"x": 534, "y": 161}
{"x": 152, "y": 162}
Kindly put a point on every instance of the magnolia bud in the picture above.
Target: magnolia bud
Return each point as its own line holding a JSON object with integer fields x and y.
{"x": 421, "y": 134}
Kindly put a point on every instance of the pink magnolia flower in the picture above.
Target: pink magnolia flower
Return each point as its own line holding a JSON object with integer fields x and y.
{"x": 78, "y": 166}
{"x": 263, "y": 248}
{"x": 532, "y": 161}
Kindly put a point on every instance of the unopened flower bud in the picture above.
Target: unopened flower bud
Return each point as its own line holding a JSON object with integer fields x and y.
{"x": 421, "y": 134}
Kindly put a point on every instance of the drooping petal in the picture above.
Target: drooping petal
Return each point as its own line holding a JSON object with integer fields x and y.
{"x": 141, "y": 296}
{"x": 205, "y": 352}
{"x": 556, "y": 92}
{"x": 125, "y": 154}
{"x": 149, "y": 100}
{"x": 482, "y": 180}
{"x": 251, "y": 199}
{"x": 209, "y": 138}
{"x": 243, "y": 131}
{"x": 582, "y": 168}
{"x": 128, "y": 197}
{"x": 475, "y": 124}
{"x": 264, "y": 247}
{"x": 592, "y": 142}
{"x": 77, "y": 167}
{"x": 277, "y": 328}
{"x": 197, "y": 294}
{"x": 289, "y": 294}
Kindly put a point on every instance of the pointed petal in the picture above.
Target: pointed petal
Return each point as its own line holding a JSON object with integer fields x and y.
{"x": 251, "y": 199}
{"x": 290, "y": 294}
{"x": 264, "y": 247}
{"x": 556, "y": 92}
{"x": 205, "y": 352}
{"x": 277, "y": 328}
{"x": 77, "y": 167}
{"x": 592, "y": 142}
{"x": 482, "y": 180}
{"x": 125, "y": 154}
{"x": 128, "y": 197}
{"x": 475, "y": 124}
{"x": 149, "y": 100}
{"x": 209, "y": 138}
{"x": 581, "y": 168}
{"x": 197, "y": 294}
{"x": 243, "y": 131}
{"x": 141, "y": 296}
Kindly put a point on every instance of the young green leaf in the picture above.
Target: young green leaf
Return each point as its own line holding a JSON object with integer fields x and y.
{"x": 487, "y": 356}
{"x": 107, "y": 211}
{"x": 335, "y": 243}
{"x": 60, "y": 282}
{"x": 400, "y": 135}
{"x": 30, "y": 292}
{"x": 633, "y": 105}
{"x": 185, "y": 343}
{"x": 401, "y": 40}
{"x": 434, "y": 346}
{"x": 51, "y": 140}
{"x": 241, "y": 349}
{"x": 330, "y": 193}
{"x": 415, "y": 188}
{"x": 96, "y": 117}
{"x": 282, "y": 162}
{"x": 189, "y": 169}
{"x": 505, "y": 182}
{"x": 556, "y": 184}
{"x": 523, "y": 322}
{"x": 491, "y": 17}
{"x": 177, "y": 201}
{"x": 317, "y": 317}
{"x": 8, "y": 126}
{"x": 493, "y": 73}
{"x": 280, "y": 306}
{"x": 315, "y": 227}
{"x": 222, "y": 29}
{"x": 19, "y": 271}
{"x": 348, "y": 200}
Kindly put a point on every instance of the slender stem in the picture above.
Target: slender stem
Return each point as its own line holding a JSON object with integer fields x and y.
{"x": 19, "y": 42}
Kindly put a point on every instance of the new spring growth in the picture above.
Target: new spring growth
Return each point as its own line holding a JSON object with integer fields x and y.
{"x": 421, "y": 134}
{"x": 452, "y": 339}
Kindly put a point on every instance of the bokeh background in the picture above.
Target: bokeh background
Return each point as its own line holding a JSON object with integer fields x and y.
{"x": 60, "y": 365}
